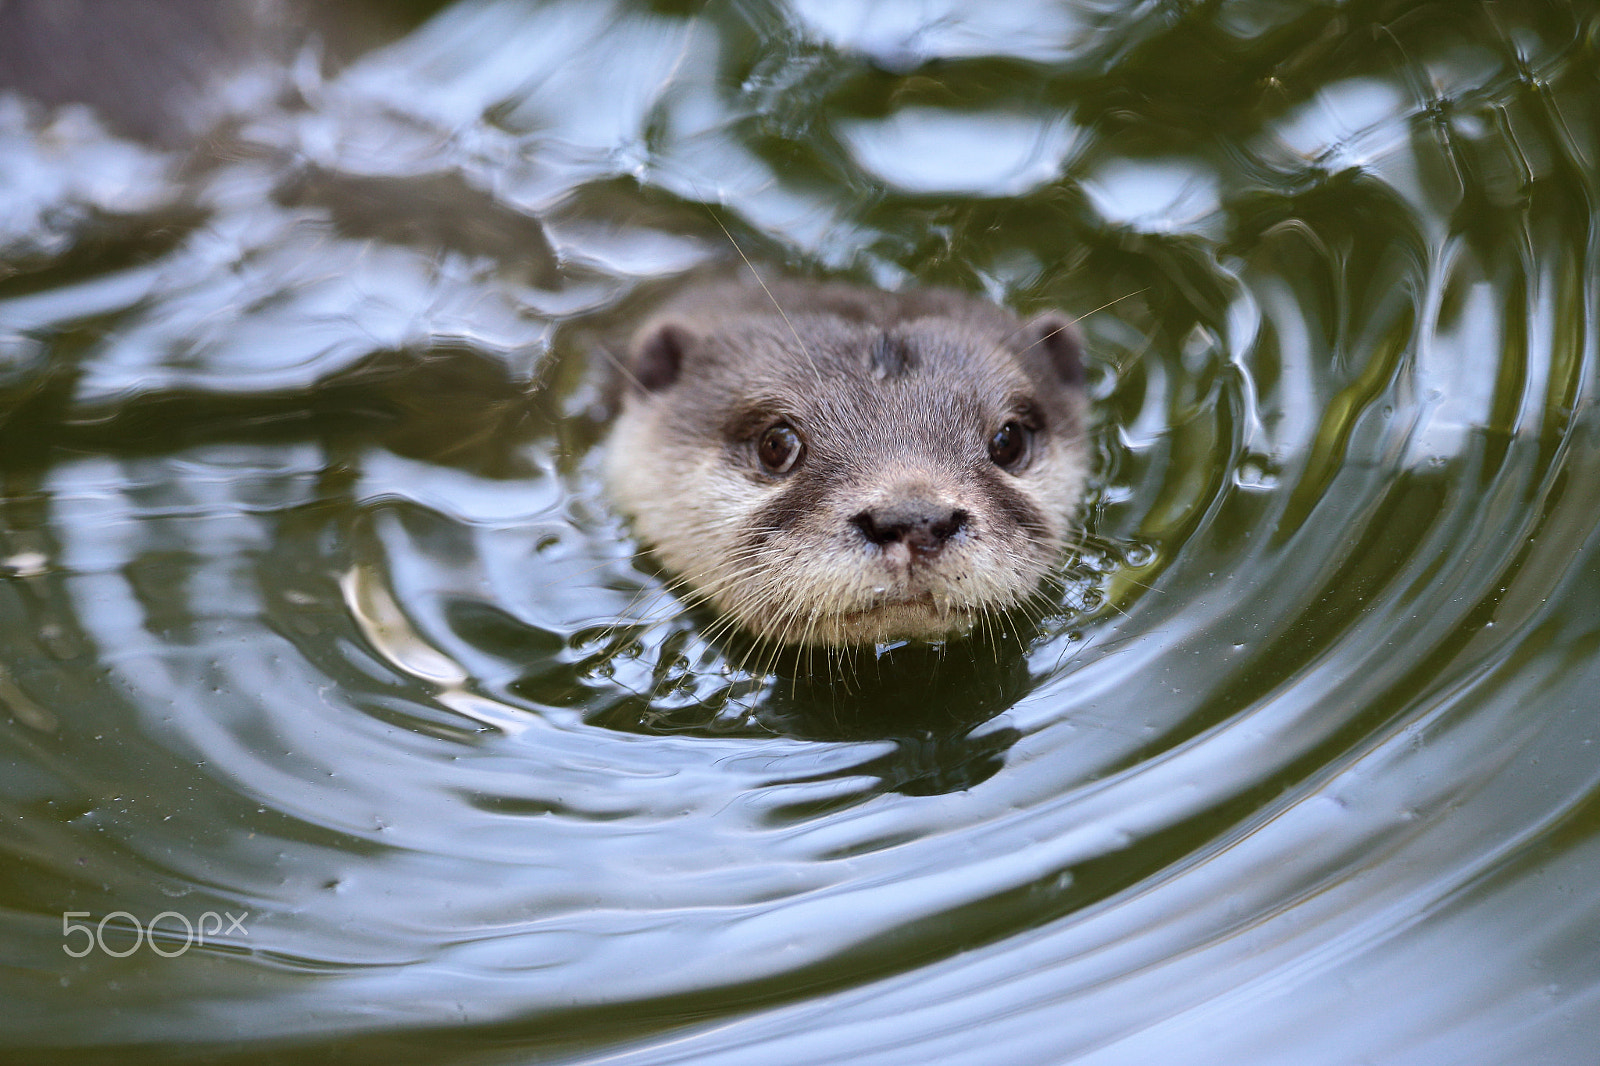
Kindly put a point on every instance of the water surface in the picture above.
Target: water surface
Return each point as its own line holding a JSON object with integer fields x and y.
{"x": 313, "y": 611}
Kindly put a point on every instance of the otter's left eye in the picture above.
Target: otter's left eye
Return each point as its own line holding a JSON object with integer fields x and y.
{"x": 1009, "y": 446}
{"x": 780, "y": 449}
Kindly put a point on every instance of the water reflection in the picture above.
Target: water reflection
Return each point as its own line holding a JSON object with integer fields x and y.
{"x": 921, "y": 150}
{"x": 313, "y": 609}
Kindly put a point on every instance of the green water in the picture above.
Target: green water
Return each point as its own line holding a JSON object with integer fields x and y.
{"x": 320, "y": 639}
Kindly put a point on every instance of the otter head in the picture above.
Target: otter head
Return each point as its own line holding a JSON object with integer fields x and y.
{"x": 861, "y": 467}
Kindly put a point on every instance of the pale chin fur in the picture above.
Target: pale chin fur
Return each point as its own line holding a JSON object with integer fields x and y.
{"x": 823, "y": 586}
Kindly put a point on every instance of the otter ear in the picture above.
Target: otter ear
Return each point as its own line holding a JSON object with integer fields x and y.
{"x": 1058, "y": 338}
{"x": 658, "y": 353}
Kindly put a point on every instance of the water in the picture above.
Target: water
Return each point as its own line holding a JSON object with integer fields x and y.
{"x": 317, "y": 624}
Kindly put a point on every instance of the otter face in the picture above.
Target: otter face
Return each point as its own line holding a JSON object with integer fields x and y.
{"x": 864, "y": 467}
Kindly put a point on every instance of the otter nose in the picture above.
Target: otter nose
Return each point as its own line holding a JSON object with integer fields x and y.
{"x": 921, "y": 525}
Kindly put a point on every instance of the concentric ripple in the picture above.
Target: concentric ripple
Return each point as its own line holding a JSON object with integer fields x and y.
{"x": 315, "y": 614}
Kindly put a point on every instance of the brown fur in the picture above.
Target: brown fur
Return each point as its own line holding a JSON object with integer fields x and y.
{"x": 896, "y": 397}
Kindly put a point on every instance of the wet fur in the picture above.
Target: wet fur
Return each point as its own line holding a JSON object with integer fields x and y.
{"x": 894, "y": 394}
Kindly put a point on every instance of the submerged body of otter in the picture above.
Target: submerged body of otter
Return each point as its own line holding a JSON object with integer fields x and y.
{"x": 834, "y": 465}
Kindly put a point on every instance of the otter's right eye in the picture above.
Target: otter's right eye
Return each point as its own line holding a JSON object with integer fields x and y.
{"x": 780, "y": 449}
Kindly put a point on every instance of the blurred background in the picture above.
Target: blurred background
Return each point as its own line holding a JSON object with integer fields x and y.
{"x": 338, "y": 720}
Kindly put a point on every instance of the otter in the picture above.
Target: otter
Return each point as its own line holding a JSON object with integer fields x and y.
{"x": 830, "y": 465}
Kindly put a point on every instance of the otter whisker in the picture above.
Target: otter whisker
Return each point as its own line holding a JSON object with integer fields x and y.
{"x": 799, "y": 340}
{"x": 1110, "y": 303}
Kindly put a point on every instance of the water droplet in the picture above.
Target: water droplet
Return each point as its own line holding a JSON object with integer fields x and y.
{"x": 1256, "y": 472}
